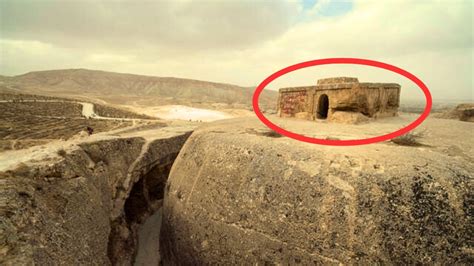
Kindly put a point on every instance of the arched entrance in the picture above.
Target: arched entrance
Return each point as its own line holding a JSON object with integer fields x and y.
{"x": 323, "y": 107}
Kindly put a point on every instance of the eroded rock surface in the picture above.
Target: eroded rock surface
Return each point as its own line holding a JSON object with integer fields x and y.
{"x": 240, "y": 193}
{"x": 83, "y": 204}
{"x": 463, "y": 112}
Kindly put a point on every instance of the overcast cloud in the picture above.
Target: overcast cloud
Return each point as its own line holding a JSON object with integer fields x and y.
{"x": 242, "y": 42}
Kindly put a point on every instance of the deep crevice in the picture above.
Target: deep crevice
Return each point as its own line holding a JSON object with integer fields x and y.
{"x": 144, "y": 200}
{"x": 136, "y": 204}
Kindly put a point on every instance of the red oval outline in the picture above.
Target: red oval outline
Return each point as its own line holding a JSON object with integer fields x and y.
{"x": 355, "y": 61}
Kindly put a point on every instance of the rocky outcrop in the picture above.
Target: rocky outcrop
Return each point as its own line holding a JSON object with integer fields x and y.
{"x": 238, "y": 193}
{"x": 83, "y": 204}
{"x": 370, "y": 99}
{"x": 349, "y": 117}
{"x": 463, "y": 112}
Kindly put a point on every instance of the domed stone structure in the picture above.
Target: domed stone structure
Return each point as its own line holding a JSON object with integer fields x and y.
{"x": 342, "y": 99}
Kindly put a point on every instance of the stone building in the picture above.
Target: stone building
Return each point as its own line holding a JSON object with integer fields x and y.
{"x": 342, "y": 99}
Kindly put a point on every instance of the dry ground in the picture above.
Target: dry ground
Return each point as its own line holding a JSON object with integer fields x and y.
{"x": 325, "y": 129}
{"x": 26, "y": 124}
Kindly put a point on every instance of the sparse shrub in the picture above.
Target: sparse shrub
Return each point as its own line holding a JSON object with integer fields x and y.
{"x": 62, "y": 152}
{"x": 409, "y": 139}
{"x": 272, "y": 134}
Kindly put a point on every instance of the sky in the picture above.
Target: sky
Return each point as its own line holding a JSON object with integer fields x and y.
{"x": 243, "y": 42}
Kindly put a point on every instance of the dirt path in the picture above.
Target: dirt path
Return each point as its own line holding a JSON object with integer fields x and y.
{"x": 87, "y": 109}
{"x": 13, "y": 157}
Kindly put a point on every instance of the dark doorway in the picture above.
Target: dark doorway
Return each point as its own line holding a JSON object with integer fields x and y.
{"x": 323, "y": 106}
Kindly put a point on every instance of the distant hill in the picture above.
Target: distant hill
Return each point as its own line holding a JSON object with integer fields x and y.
{"x": 119, "y": 87}
{"x": 4, "y": 78}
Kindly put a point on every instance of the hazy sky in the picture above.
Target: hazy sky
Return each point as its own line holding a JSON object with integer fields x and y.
{"x": 242, "y": 42}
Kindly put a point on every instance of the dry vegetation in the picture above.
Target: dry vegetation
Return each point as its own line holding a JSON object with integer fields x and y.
{"x": 410, "y": 139}
{"x": 41, "y": 109}
{"x": 16, "y": 97}
{"x": 26, "y": 124}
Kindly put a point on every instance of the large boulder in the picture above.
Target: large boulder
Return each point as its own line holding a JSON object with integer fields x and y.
{"x": 239, "y": 193}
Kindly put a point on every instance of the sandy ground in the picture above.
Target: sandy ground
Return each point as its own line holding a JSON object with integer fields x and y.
{"x": 182, "y": 112}
{"x": 323, "y": 129}
{"x": 187, "y": 113}
{"x": 149, "y": 241}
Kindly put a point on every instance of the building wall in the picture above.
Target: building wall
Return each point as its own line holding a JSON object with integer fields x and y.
{"x": 291, "y": 103}
{"x": 339, "y": 99}
{"x": 368, "y": 99}
{"x": 381, "y": 101}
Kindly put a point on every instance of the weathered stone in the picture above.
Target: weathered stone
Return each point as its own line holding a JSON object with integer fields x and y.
{"x": 463, "y": 112}
{"x": 337, "y": 80}
{"x": 236, "y": 196}
{"x": 349, "y": 117}
{"x": 83, "y": 205}
{"x": 343, "y": 95}
{"x": 302, "y": 115}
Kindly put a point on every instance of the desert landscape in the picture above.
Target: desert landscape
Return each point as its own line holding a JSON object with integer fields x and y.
{"x": 141, "y": 164}
{"x": 131, "y": 133}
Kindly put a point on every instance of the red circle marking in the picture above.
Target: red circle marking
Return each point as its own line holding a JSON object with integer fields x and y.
{"x": 355, "y": 61}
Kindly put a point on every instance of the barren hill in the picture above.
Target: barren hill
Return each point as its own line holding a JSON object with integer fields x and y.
{"x": 114, "y": 87}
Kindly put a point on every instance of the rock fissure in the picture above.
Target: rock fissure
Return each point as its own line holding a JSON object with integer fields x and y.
{"x": 68, "y": 201}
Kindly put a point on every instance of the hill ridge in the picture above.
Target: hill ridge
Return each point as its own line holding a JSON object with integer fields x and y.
{"x": 120, "y": 73}
{"x": 133, "y": 87}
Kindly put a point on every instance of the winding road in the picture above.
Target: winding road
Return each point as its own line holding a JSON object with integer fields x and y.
{"x": 12, "y": 157}
{"x": 87, "y": 109}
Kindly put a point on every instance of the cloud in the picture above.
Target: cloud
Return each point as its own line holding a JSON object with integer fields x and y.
{"x": 243, "y": 42}
{"x": 196, "y": 25}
